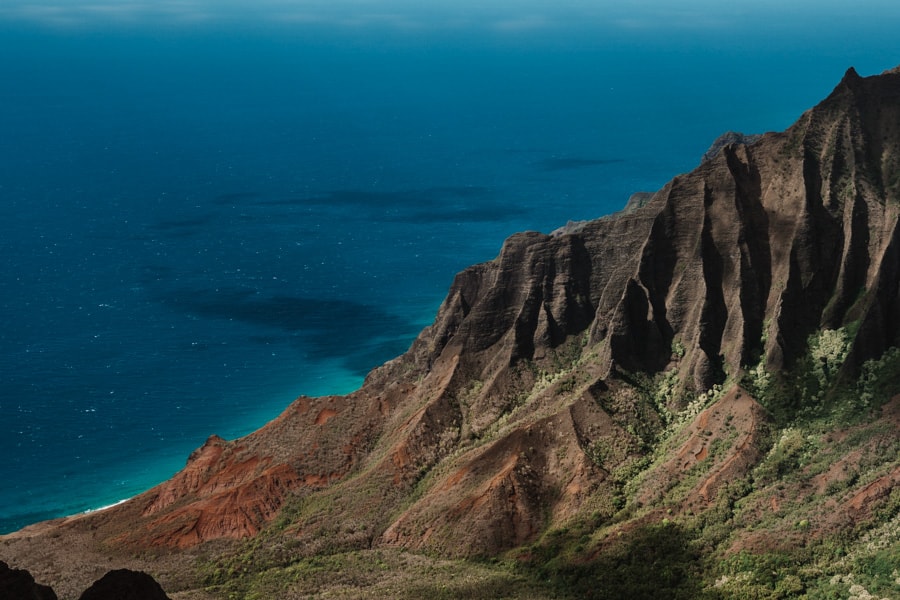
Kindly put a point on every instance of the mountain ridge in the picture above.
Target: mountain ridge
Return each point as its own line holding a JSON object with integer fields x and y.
{"x": 617, "y": 374}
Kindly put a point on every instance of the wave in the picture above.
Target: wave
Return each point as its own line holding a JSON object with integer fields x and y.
{"x": 93, "y": 510}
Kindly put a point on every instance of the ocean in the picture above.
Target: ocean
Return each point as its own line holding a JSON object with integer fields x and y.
{"x": 206, "y": 214}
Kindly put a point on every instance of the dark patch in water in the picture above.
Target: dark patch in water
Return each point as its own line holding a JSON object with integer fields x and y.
{"x": 266, "y": 340}
{"x": 334, "y": 328}
{"x": 462, "y": 214}
{"x": 235, "y": 198}
{"x": 179, "y": 233}
{"x": 569, "y": 164}
{"x": 182, "y": 223}
{"x": 368, "y": 199}
{"x": 435, "y": 204}
{"x": 179, "y": 228}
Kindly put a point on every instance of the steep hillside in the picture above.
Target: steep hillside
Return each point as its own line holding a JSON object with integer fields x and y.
{"x": 689, "y": 398}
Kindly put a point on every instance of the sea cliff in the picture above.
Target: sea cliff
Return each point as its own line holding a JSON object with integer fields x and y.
{"x": 711, "y": 371}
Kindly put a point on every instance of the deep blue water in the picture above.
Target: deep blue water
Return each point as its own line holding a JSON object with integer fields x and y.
{"x": 202, "y": 222}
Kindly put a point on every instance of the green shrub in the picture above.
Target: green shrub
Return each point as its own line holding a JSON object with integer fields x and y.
{"x": 652, "y": 562}
{"x": 784, "y": 457}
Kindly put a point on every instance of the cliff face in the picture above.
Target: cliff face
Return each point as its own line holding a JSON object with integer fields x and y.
{"x": 522, "y": 405}
{"x": 745, "y": 256}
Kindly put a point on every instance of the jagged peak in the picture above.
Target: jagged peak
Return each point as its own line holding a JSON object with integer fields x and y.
{"x": 851, "y": 75}
{"x": 846, "y": 87}
{"x": 852, "y": 84}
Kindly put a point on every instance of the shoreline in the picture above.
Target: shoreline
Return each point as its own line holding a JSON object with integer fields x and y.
{"x": 94, "y": 510}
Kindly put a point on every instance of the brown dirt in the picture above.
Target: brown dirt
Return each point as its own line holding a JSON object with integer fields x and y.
{"x": 735, "y": 423}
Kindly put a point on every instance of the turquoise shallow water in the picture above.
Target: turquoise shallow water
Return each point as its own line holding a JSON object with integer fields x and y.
{"x": 201, "y": 223}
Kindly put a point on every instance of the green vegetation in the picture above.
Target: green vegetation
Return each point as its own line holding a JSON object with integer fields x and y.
{"x": 653, "y": 561}
{"x": 384, "y": 573}
{"x": 817, "y": 387}
{"x": 776, "y": 530}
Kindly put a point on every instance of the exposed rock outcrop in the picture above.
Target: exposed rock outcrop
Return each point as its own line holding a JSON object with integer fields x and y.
{"x": 120, "y": 584}
{"x": 18, "y": 584}
{"x": 123, "y": 584}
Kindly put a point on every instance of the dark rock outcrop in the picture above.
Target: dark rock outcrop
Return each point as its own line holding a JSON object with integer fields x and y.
{"x": 123, "y": 584}
{"x": 18, "y": 584}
